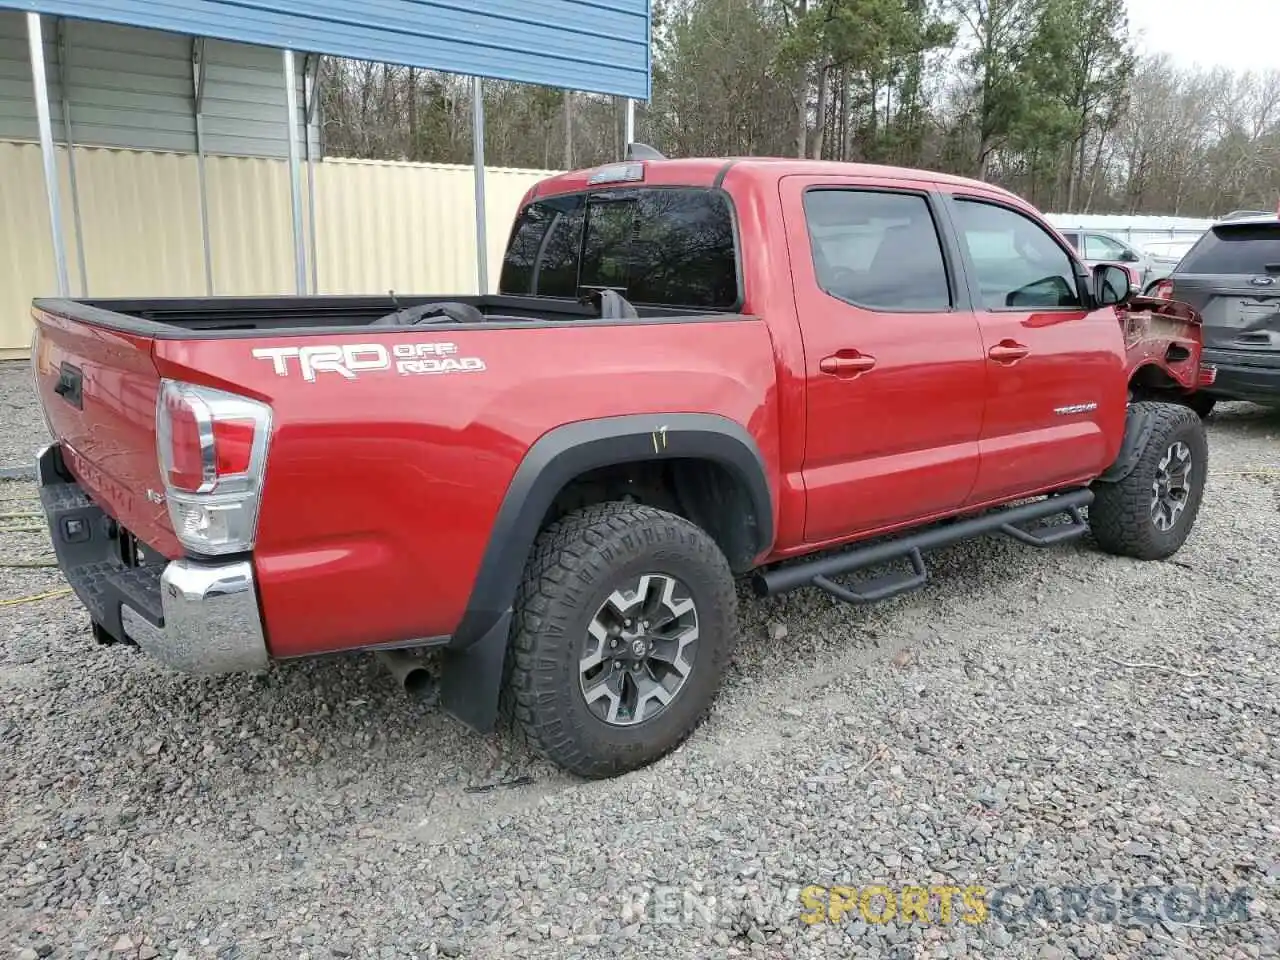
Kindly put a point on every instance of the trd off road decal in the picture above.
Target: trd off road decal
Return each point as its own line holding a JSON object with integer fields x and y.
{"x": 350, "y": 360}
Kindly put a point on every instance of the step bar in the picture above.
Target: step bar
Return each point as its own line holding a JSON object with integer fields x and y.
{"x": 818, "y": 572}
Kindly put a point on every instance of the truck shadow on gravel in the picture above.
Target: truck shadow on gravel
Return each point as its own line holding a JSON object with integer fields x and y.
{"x": 343, "y": 720}
{"x": 337, "y": 726}
{"x": 787, "y": 634}
{"x": 341, "y": 733}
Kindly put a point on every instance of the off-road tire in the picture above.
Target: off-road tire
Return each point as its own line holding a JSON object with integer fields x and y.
{"x": 576, "y": 563}
{"x": 1120, "y": 516}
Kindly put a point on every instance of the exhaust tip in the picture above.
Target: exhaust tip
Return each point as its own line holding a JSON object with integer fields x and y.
{"x": 411, "y": 673}
{"x": 420, "y": 684}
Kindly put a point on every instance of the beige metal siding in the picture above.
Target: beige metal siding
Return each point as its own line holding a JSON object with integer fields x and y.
{"x": 26, "y": 252}
{"x": 250, "y": 226}
{"x": 380, "y": 226}
{"x": 406, "y": 226}
{"x": 141, "y": 219}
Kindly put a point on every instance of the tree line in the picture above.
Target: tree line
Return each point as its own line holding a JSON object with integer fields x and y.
{"x": 1044, "y": 97}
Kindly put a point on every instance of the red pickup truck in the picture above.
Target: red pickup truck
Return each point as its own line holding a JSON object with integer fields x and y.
{"x": 694, "y": 370}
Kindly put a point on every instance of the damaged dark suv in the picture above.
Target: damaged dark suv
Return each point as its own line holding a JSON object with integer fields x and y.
{"x": 1232, "y": 277}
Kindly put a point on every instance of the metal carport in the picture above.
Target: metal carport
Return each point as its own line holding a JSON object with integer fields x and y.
{"x": 600, "y": 46}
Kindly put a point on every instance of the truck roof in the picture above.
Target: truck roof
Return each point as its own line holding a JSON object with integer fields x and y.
{"x": 711, "y": 171}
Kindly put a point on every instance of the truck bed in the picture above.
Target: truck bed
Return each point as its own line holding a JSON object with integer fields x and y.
{"x": 216, "y": 317}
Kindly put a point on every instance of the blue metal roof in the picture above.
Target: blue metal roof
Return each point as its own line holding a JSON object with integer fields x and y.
{"x": 601, "y": 46}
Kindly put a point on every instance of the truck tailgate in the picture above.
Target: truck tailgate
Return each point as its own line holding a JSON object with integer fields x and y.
{"x": 99, "y": 389}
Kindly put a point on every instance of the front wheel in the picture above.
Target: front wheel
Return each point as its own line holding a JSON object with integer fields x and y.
{"x": 1149, "y": 513}
{"x": 625, "y": 621}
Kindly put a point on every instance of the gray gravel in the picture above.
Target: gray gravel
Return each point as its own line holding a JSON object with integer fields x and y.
{"x": 22, "y": 428}
{"x": 1045, "y": 719}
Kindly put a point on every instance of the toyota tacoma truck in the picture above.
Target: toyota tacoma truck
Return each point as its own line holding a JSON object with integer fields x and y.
{"x": 694, "y": 370}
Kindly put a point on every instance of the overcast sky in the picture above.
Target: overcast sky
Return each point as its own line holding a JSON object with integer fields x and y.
{"x": 1243, "y": 34}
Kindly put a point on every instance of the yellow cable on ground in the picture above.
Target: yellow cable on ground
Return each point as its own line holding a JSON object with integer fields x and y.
{"x": 48, "y": 595}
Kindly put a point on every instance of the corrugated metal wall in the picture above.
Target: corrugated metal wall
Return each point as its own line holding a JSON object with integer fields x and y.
{"x": 380, "y": 226}
{"x": 596, "y": 45}
{"x": 133, "y": 88}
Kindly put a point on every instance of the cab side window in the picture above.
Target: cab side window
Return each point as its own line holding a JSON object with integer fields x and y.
{"x": 1016, "y": 262}
{"x": 877, "y": 250}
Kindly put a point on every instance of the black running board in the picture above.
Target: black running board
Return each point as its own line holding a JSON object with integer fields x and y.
{"x": 818, "y": 572}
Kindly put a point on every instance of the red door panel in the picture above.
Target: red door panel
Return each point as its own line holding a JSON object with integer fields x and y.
{"x": 895, "y": 389}
{"x": 1054, "y": 378}
{"x": 1046, "y": 412}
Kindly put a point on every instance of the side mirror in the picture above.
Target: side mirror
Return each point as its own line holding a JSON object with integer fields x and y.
{"x": 1112, "y": 285}
{"x": 1130, "y": 257}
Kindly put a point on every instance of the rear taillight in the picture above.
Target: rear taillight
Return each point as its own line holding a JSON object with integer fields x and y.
{"x": 1163, "y": 290}
{"x": 233, "y": 445}
{"x": 213, "y": 449}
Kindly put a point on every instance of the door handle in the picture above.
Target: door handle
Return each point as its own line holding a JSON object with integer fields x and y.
{"x": 1008, "y": 351}
{"x": 848, "y": 363}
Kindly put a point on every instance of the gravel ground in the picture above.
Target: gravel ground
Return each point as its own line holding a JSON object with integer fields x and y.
{"x": 1032, "y": 721}
{"x": 22, "y": 429}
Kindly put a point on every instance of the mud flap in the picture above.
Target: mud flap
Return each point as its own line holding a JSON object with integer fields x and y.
{"x": 1139, "y": 422}
{"x": 471, "y": 678}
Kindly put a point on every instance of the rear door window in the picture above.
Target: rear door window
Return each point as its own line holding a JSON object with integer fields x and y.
{"x": 1246, "y": 249}
{"x": 671, "y": 247}
{"x": 877, "y": 249}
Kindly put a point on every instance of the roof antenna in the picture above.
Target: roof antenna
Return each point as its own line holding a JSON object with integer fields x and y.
{"x": 642, "y": 151}
{"x": 394, "y": 302}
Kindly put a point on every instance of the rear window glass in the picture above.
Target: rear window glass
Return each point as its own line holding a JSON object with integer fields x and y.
{"x": 1236, "y": 249}
{"x": 655, "y": 246}
{"x": 543, "y": 252}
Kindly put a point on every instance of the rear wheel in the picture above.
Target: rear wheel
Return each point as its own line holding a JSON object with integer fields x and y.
{"x": 1149, "y": 513}
{"x": 624, "y": 624}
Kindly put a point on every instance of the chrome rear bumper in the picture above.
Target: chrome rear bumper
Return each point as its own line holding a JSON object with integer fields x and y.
{"x": 210, "y": 620}
{"x": 192, "y": 615}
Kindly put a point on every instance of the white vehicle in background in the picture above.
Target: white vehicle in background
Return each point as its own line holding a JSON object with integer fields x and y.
{"x": 1098, "y": 246}
{"x": 1164, "y": 255}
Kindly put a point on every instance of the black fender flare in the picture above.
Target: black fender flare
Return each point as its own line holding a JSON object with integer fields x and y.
{"x": 472, "y": 668}
{"x": 1140, "y": 419}
{"x": 567, "y": 452}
